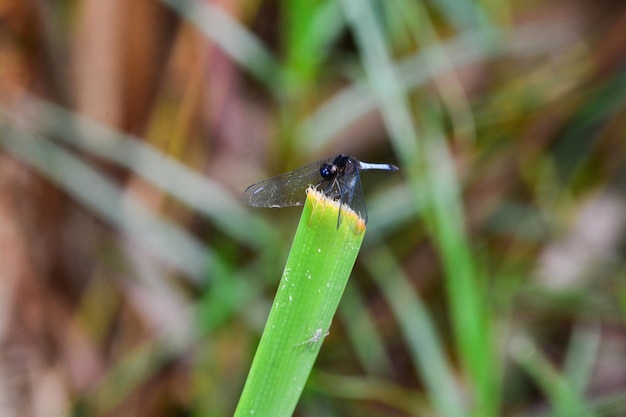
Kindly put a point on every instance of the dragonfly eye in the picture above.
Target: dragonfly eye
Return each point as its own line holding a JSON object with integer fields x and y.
{"x": 328, "y": 171}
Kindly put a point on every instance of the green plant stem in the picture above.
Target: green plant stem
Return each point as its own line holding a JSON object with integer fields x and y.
{"x": 315, "y": 276}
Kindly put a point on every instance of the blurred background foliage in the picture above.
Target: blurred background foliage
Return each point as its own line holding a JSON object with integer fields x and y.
{"x": 492, "y": 277}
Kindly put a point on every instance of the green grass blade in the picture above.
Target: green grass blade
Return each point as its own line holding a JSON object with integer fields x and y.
{"x": 232, "y": 37}
{"x": 208, "y": 197}
{"x": 103, "y": 197}
{"x": 582, "y": 356}
{"x": 431, "y": 174}
{"x": 419, "y": 331}
{"x": 310, "y": 28}
{"x": 366, "y": 340}
{"x": 315, "y": 276}
{"x": 558, "y": 390}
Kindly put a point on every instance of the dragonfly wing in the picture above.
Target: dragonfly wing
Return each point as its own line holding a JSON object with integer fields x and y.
{"x": 352, "y": 195}
{"x": 288, "y": 189}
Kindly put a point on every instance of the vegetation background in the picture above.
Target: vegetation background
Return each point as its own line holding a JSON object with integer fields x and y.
{"x": 492, "y": 277}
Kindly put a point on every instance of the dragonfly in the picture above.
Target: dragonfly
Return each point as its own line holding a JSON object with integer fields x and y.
{"x": 337, "y": 177}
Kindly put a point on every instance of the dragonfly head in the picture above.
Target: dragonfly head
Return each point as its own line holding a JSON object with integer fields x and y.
{"x": 328, "y": 171}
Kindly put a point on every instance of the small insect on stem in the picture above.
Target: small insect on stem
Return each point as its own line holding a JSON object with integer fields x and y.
{"x": 338, "y": 178}
{"x": 316, "y": 338}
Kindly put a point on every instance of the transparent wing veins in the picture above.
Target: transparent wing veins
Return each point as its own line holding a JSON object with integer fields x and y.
{"x": 284, "y": 190}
